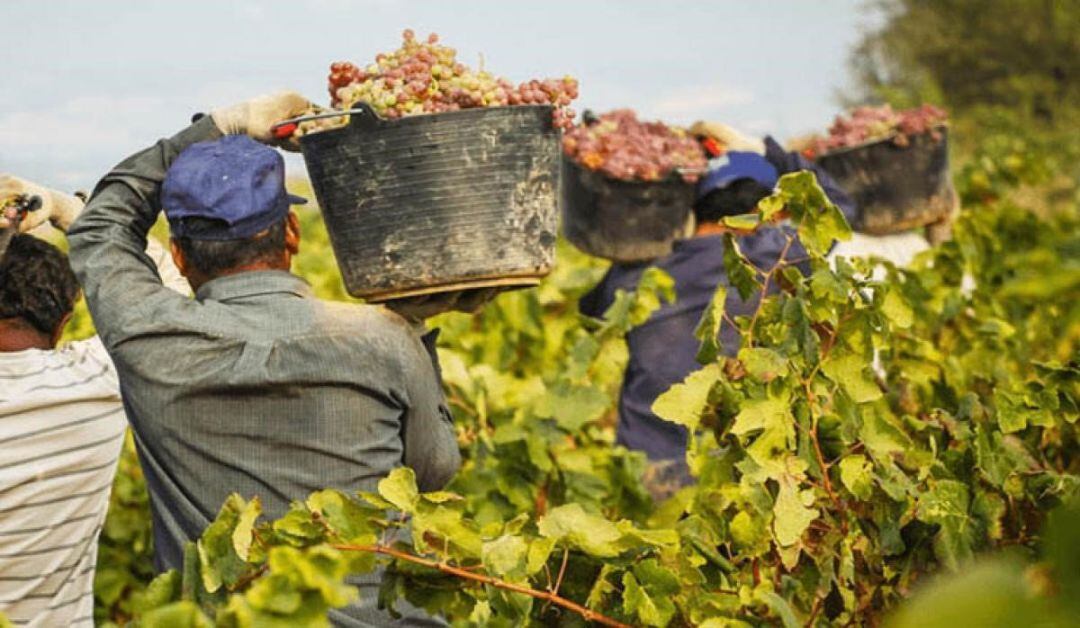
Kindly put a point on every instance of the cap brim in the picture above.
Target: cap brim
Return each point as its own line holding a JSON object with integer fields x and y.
{"x": 296, "y": 200}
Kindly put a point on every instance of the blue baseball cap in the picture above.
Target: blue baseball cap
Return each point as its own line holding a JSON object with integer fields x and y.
{"x": 732, "y": 166}
{"x": 235, "y": 185}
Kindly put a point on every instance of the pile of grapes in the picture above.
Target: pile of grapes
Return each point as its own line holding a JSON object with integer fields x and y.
{"x": 426, "y": 77}
{"x": 865, "y": 124}
{"x": 623, "y": 147}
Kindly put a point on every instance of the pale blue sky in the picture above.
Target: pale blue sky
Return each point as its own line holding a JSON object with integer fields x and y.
{"x": 87, "y": 83}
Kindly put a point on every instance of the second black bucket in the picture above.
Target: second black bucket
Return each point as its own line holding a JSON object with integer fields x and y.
{"x": 436, "y": 203}
{"x": 624, "y": 221}
{"x": 896, "y": 187}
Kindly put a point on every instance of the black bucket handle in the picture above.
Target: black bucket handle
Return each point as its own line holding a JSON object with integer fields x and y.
{"x": 286, "y": 128}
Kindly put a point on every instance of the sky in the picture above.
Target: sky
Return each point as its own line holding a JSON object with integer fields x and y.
{"x": 87, "y": 83}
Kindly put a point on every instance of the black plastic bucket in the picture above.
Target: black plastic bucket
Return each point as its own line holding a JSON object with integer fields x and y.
{"x": 624, "y": 221}
{"x": 435, "y": 203}
{"x": 896, "y": 187}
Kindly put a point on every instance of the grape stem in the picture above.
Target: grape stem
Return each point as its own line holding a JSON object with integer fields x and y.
{"x": 548, "y": 596}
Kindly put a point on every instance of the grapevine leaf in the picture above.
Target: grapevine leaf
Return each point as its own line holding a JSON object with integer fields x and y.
{"x": 637, "y": 602}
{"x": 1011, "y": 412}
{"x": 573, "y": 407}
{"x": 539, "y": 552}
{"x": 296, "y": 527}
{"x": 762, "y": 363}
{"x": 740, "y": 273}
{"x": 219, "y": 563}
{"x": 399, "y": 488}
{"x": 349, "y": 520}
{"x": 762, "y": 414}
{"x": 946, "y": 504}
{"x": 506, "y": 556}
{"x": 182, "y": 614}
{"x": 441, "y": 497}
{"x": 655, "y": 284}
{"x": 275, "y": 594}
{"x": 818, "y": 220}
{"x": 317, "y": 568}
{"x": 161, "y": 591}
{"x": 481, "y": 614}
{"x": 998, "y": 456}
{"x": 772, "y": 416}
{"x": 590, "y": 533}
{"x": 856, "y": 473}
{"x": 448, "y": 524}
{"x": 742, "y": 222}
{"x": 882, "y": 437}
{"x": 897, "y": 310}
{"x": 749, "y": 533}
{"x": 686, "y": 402}
{"x": 850, "y": 371}
{"x": 993, "y": 593}
{"x": 242, "y": 534}
{"x": 791, "y": 516}
{"x": 708, "y": 329}
{"x": 779, "y": 606}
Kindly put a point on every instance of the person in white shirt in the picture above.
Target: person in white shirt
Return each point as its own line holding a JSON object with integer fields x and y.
{"x": 62, "y": 426}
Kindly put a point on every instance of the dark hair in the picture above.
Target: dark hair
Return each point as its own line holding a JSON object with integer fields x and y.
{"x": 36, "y": 284}
{"x": 213, "y": 257}
{"x": 741, "y": 197}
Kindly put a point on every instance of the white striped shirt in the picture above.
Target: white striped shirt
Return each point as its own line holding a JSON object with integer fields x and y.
{"x": 61, "y": 429}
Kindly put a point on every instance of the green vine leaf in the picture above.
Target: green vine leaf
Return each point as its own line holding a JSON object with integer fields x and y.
{"x": 685, "y": 403}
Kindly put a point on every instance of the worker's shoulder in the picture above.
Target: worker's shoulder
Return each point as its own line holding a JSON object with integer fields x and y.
{"x": 364, "y": 322}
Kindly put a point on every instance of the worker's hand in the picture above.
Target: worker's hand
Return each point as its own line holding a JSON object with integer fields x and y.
{"x": 425, "y": 306}
{"x": 729, "y": 137}
{"x": 56, "y": 207}
{"x": 255, "y": 117}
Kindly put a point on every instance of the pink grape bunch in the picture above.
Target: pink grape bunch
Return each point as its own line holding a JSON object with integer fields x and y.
{"x": 865, "y": 124}
{"x": 423, "y": 76}
{"x": 623, "y": 147}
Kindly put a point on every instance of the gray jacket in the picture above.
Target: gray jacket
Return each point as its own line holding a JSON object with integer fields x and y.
{"x": 255, "y": 386}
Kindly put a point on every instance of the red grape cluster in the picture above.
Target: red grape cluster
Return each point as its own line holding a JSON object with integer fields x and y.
{"x": 425, "y": 77}
{"x": 623, "y": 147}
{"x": 864, "y": 124}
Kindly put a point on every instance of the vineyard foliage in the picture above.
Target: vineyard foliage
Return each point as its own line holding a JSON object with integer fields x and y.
{"x": 877, "y": 425}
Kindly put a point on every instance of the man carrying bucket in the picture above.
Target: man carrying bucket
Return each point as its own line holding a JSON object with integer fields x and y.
{"x": 254, "y": 386}
{"x": 663, "y": 350}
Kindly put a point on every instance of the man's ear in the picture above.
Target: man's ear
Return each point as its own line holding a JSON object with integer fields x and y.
{"x": 178, "y": 257}
{"x": 292, "y": 233}
{"x": 59, "y": 331}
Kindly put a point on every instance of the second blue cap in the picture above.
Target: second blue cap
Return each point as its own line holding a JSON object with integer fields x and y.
{"x": 733, "y": 166}
{"x": 234, "y": 185}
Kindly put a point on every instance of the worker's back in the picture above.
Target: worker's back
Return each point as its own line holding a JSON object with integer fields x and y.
{"x": 258, "y": 388}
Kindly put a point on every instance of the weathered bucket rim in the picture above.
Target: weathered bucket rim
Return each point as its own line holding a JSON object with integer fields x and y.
{"x": 502, "y": 281}
{"x": 881, "y": 140}
{"x": 376, "y": 119}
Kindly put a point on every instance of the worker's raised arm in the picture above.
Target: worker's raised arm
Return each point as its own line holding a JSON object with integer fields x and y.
{"x": 108, "y": 241}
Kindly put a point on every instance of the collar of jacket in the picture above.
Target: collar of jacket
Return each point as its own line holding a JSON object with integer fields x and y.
{"x": 253, "y": 283}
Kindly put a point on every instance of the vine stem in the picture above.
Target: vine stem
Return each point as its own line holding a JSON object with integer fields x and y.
{"x": 549, "y": 596}
{"x": 767, "y": 275}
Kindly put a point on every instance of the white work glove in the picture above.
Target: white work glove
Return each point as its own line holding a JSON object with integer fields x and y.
{"x": 729, "y": 137}
{"x": 255, "y": 117}
{"x": 56, "y": 207}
